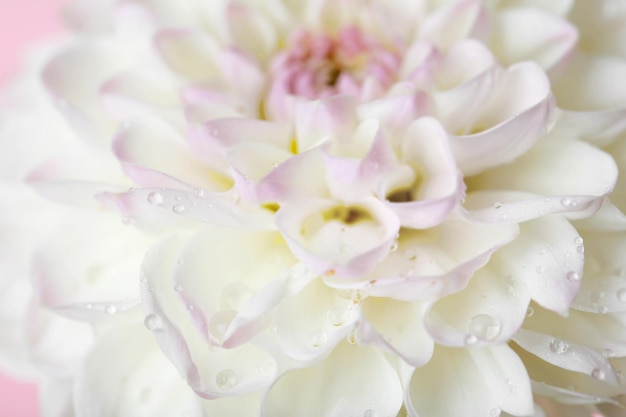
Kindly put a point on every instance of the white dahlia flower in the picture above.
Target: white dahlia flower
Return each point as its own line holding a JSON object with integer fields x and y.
{"x": 326, "y": 208}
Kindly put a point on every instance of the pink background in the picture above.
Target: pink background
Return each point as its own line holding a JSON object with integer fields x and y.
{"x": 22, "y": 23}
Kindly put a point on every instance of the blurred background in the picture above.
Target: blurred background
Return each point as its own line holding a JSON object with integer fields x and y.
{"x": 23, "y": 23}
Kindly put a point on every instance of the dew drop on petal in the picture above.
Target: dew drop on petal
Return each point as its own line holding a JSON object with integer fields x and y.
{"x": 153, "y": 322}
{"x": 319, "y": 338}
{"x": 566, "y": 202}
{"x": 235, "y": 295}
{"x": 621, "y": 295}
{"x": 111, "y": 309}
{"x": 369, "y": 413}
{"x": 559, "y": 346}
{"x": 220, "y": 321}
{"x": 198, "y": 192}
{"x": 607, "y": 353}
{"x": 495, "y": 412}
{"x": 484, "y": 326}
{"x": 470, "y": 340}
{"x": 530, "y": 312}
{"x": 578, "y": 240}
{"x": 394, "y": 246}
{"x": 598, "y": 373}
{"x": 178, "y": 288}
{"x": 573, "y": 276}
{"x": 337, "y": 316}
{"x": 226, "y": 379}
{"x": 179, "y": 208}
{"x": 497, "y": 204}
{"x": 155, "y": 198}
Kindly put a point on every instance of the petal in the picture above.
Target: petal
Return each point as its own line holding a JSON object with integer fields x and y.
{"x": 312, "y": 322}
{"x": 439, "y": 186}
{"x": 371, "y": 387}
{"x": 603, "y": 288}
{"x": 548, "y": 257}
{"x": 489, "y": 311}
{"x": 191, "y": 54}
{"x": 396, "y": 327}
{"x": 106, "y": 256}
{"x": 177, "y": 329}
{"x": 451, "y": 23}
{"x": 155, "y": 145}
{"x": 549, "y": 41}
{"x": 592, "y": 83}
{"x": 419, "y": 266}
{"x": 250, "y": 31}
{"x": 566, "y": 355}
{"x": 471, "y": 383}
{"x": 346, "y": 239}
{"x": 554, "y": 167}
{"x": 139, "y": 380}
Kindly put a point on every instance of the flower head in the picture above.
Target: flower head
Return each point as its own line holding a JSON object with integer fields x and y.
{"x": 333, "y": 208}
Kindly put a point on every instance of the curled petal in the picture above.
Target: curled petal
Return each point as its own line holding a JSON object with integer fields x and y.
{"x": 489, "y": 311}
{"x": 396, "y": 327}
{"x": 192, "y": 54}
{"x": 452, "y": 22}
{"x": 345, "y": 394}
{"x": 346, "y": 239}
{"x": 476, "y": 382}
{"x": 549, "y": 41}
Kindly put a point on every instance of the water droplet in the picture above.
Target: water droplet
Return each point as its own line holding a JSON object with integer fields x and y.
{"x": 607, "y": 353}
{"x": 530, "y": 312}
{"x": 111, "y": 309}
{"x": 394, "y": 246}
{"x": 580, "y": 249}
{"x": 484, "y": 326}
{"x": 603, "y": 309}
{"x": 573, "y": 276}
{"x": 319, "y": 338}
{"x": 153, "y": 322}
{"x": 89, "y": 306}
{"x": 369, "y": 413}
{"x": 226, "y": 379}
{"x": 541, "y": 269}
{"x": 179, "y": 208}
{"x": 470, "y": 340}
{"x": 235, "y": 295}
{"x": 143, "y": 279}
{"x": 497, "y": 205}
{"x": 337, "y": 316}
{"x": 598, "y": 373}
{"x": 578, "y": 240}
{"x": 155, "y": 198}
{"x": 220, "y": 321}
{"x": 559, "y": 346}
{"x": 621, "y": 295}
{"x": 178, "y": 288}
{"x": 566, "y": 202}
{"x": 198, "y": 192}
{"x": 495, "y": 412}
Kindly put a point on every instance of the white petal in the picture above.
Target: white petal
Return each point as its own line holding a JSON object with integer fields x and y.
{"x": 351, "y": 381}
{"x": 139, "y": 381}
{"x": 532, "y": 34}
{"x": 471, "y": 383}
{"x": 555, "y": 167}
{"x": 251, "y": 31}
{"x": 324, "y": 234}
{"x": 397, "y": 327}
{"x": 312, "y": 322}
{"x": 453, "y": 22}
{"x": 548, "y": 257}
{"x": 432, "y": 263}
{"x": 566, "y": 355}
{"x": 489, "y": 311}
{"x": 191, "y": 54}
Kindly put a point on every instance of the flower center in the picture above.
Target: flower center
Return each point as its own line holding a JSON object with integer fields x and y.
{"x": 317, "y": 65}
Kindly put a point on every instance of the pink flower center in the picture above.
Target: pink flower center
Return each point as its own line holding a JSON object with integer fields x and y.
{"x": 316, "y": 65}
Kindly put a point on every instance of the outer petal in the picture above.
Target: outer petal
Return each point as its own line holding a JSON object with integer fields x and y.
{"x": 554, "y": 167}
{"x": 489, "y": 311}
{"x": 548, "y": 257}
{"x": 522, "y": 34}
{"x": 372, "y": 387}
{"x": 396, "y": 327}
{"x": 139, "y": 381}
{"x": 452, "y": 22}
{"x": 470, "y": 383}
